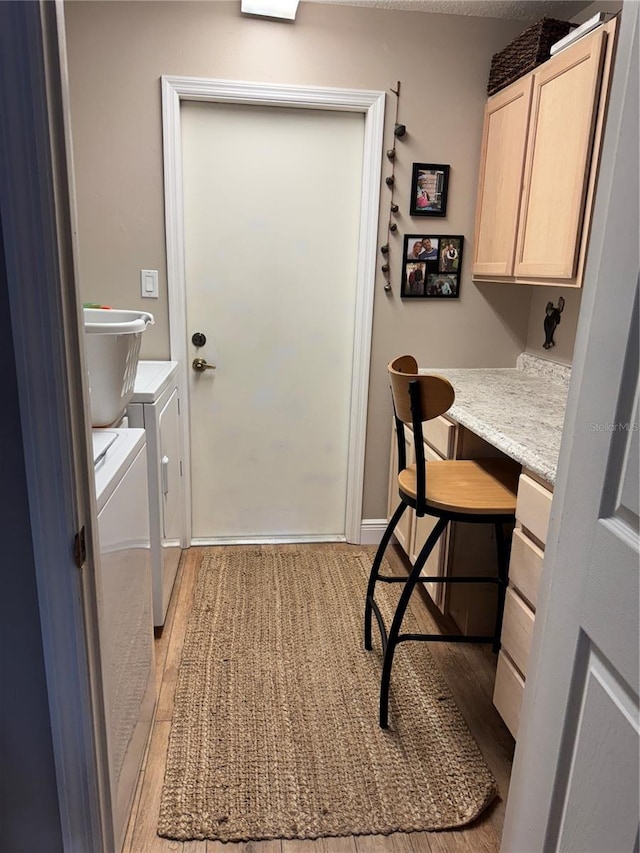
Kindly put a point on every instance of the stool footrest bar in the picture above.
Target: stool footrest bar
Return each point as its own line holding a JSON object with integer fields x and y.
{"x": 438, "y": 579}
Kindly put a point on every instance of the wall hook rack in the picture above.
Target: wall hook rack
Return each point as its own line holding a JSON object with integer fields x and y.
{"x": 399, "y": 130}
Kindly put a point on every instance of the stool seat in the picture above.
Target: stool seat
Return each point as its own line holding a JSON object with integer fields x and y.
{"x": 469, "y": 486}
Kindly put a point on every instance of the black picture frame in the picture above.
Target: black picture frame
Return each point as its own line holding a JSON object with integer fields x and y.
{"x": 429, "y": 189}
{"x": 432, "y": 266}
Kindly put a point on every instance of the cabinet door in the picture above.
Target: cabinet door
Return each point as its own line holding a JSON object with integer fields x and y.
{"x": 561, "y": 131}
{"x": 403, "y": 530}
{"x": 422, "y": 527}
{"x": 501, "y": 169}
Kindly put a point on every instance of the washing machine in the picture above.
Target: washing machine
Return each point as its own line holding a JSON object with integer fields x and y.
{"x": 125, "y": 622}
{"x": 155, "y": 407}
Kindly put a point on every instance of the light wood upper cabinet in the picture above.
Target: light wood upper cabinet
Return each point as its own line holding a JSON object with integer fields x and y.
{"x": 564, "y": 107}
{"x": 504, "y": 141}
{"x": 538, "y": 169}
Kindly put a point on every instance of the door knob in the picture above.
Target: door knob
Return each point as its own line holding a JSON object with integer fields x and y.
{"x": 200, "y": 364}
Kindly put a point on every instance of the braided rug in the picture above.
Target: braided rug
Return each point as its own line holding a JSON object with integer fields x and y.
{"x": 275, "y": 730}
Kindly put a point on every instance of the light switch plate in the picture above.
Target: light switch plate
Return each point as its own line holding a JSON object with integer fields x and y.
{"x": 149, "y": 284}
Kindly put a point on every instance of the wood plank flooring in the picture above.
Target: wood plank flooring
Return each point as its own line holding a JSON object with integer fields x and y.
{"x": 469, "y": 671}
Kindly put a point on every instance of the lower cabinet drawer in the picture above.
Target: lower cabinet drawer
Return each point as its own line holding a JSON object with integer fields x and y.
{"x": 439, "y": 434}
{"x": 421, "y": 529}
{"x": 404, "y": 528}
{"x": 533, "y": 507}
{"x": 525, "y": 567}
{"x": 517, "y": 629}
{"x": 507, "y": 693}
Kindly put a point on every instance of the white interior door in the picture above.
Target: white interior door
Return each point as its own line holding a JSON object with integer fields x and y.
{"x": 575, "y": 779}
{"x": 271, "y": 227}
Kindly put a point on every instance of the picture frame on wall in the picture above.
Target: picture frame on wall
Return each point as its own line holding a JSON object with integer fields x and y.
{"x": 429, "y": 189}
{"x": 431, "y": 266}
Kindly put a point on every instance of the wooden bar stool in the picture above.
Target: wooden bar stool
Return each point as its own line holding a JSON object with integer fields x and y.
{"x": 477, "y": 491}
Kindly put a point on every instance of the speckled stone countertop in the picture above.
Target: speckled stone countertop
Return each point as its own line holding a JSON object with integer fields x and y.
{"x": 518, "y": 410}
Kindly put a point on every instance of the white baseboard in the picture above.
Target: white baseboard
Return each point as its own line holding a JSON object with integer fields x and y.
{"x": 371, "y": 530}
{"x": 291, "y": 539}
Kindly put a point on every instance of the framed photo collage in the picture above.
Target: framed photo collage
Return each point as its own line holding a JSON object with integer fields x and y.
{"x": 431, "y": 266}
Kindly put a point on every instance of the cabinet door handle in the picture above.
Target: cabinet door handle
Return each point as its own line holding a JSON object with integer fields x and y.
{"x": 165, "y": 475}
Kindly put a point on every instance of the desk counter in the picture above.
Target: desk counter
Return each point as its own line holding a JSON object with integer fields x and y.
{"x": 520, "y": 410}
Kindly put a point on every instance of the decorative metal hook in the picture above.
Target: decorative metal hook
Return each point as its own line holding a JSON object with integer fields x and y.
{"x": 551, "y": 322}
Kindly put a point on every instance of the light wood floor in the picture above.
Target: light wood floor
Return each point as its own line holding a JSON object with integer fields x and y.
{"x": 469, "y": 671}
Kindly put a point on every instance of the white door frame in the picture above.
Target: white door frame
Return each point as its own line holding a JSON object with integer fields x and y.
{"x": 371, "y": 104}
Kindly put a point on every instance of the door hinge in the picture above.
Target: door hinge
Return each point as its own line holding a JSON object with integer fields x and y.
{"x": 80, "y": 548}
{"x": 181, "y": 467}
{"x": 178, "y": 406}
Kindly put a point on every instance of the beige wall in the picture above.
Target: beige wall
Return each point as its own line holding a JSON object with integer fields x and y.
{"x": 117, "y": 53}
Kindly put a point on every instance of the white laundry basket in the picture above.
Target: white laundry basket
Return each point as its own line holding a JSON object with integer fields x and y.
{"x": 112, "y": 345}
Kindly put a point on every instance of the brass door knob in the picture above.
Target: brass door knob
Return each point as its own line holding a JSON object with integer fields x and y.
{"x": 200, "y": 364}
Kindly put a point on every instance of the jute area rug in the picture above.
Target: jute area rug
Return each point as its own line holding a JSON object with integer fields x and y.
{"x": 275, "y": 727}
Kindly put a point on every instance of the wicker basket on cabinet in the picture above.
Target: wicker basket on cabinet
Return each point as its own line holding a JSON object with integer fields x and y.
{"x": 526, "y": 52}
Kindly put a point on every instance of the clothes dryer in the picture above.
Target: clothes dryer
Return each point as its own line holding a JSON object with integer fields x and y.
{"x": 125, "y": 623}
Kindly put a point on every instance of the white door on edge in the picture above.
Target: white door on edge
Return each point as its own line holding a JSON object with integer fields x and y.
{"x": 271, "y": 226}
{"x": 575, "y": 778}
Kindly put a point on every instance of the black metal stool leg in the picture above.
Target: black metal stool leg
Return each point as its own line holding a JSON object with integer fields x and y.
{"x": 503, "y": 578}
{"x": 394, "y": 632}
{"x": 375, "y": 568}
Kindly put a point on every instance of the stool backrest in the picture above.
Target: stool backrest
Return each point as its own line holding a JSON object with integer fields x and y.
{"x": 416, "y": 396}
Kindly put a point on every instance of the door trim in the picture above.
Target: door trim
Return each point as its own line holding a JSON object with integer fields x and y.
{"x": 371, "y": 104}
{"x": 557, "y": 665}
{"x": 38, "y": 214}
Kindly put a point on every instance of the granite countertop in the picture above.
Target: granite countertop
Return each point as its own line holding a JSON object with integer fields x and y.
{"x": 518, "y": 410}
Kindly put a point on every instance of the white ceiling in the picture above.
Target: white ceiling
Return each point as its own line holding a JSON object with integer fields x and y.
{"x": 523, "y": 10}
